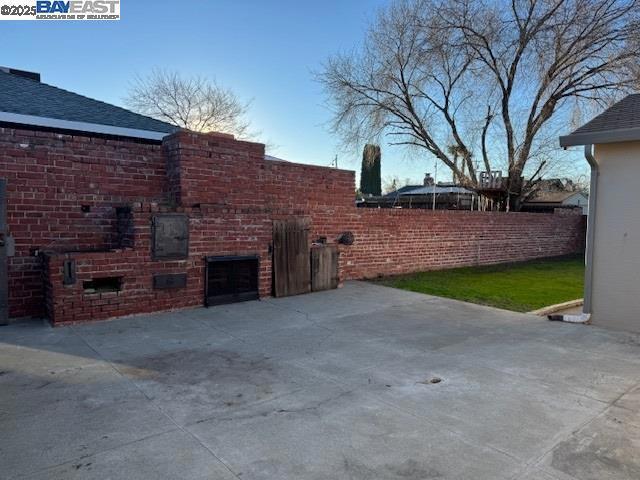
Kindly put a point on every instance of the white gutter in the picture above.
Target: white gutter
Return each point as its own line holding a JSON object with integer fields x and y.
{"x": 605, "y": 136}
{"x": 47, "y": 122}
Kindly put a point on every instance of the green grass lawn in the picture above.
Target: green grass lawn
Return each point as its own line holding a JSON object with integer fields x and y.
{"x": 521, "y": 287}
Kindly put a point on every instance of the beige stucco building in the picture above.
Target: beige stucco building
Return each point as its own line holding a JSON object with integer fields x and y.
{"x": 612, "y": 147}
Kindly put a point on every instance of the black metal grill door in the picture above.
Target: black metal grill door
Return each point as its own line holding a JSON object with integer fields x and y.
{"x": 231, "y": 279}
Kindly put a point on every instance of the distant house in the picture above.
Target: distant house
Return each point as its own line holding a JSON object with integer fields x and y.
{"x": 448, "y": 196}
{"x": 401, "y": 190}
{"x": 545, "y": 201}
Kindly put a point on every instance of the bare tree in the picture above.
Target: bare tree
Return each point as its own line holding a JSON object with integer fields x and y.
{"x": 391, "y": 183}
{"x": 483, "y": 85}
{"x": 194, "y": 103}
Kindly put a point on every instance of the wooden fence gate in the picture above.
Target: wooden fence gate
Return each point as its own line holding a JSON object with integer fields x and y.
{"x": 291, "y": 266}
{"x": 324, "y": 267}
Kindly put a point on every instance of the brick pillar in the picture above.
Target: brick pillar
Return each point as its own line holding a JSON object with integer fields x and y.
{"x": 214, "y": 169}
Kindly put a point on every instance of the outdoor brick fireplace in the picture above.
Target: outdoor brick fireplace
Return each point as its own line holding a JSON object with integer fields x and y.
{"x": 155, "y": 274}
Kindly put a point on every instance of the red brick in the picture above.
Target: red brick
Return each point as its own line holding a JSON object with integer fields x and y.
{"x": 232, "y": 195}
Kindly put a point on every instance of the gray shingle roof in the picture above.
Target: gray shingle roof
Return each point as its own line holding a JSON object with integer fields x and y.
{"x": 624, "y": 114}
{"x": 25, "y": 96}
{"x": 619, "y": 123}
{"x": 402, "y": 190}
{"x": 551, "y": 197}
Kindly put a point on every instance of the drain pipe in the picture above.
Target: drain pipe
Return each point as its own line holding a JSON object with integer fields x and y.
{"x": 591, "y": 218}
{"x": 591, "y": 224}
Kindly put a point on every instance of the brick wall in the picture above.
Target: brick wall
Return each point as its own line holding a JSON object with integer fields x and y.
{"x": 389, "y": 242}
{"x": 50, "y": 177}
{"x": 296, "y": 189}
{"x": 214, "y": 169}
{"x": 231, "y": 195}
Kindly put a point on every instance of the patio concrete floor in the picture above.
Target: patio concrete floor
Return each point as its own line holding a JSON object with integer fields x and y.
{"x": 332, "y": 385}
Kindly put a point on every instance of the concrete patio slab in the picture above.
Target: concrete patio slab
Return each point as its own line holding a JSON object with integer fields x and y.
{"x": 90, "y": 420}
{"x": 337, "y": 384}
{"x": 175, "y": 454}
{"x": 593, "y": 375}
{"x": 338, "y": 434}
{"x": 608, "y": 447}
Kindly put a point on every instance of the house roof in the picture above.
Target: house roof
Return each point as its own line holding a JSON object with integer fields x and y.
{"x": 402, "y": 190}
{"x": 439, "y": 189}
{"x": 25, "y": 100}
{"x": 551, "y": 197}
{"x": 620, "y": 123}
{"x": 428, "y": 190}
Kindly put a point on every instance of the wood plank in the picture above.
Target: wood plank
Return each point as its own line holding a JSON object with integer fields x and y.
{"x": 291, "y": 266}
{"x": 277, "y": 261}
{"x": 324, "y": 268}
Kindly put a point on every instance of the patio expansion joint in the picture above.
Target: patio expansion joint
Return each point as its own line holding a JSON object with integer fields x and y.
{"x": 602, "y": 354}
{"x": 563, "y": 436}
{"x": 307, "y": 318}
{"x": 526, "y": 462}
{"x": 545, "y": 382}
{"x": 157, "y": 407}
{"x": 273, "y": 303}
{"x": 451, "y": 431}
{"x": 98, "y": 452}
{"x": 208, "y": 324}
{"x": 376, "y": 398}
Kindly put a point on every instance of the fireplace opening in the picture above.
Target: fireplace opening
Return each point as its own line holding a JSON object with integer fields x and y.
{"x": 231, "y": 279}
{"x": 102, "y": 285}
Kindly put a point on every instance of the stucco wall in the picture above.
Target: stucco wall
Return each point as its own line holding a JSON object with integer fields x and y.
{"x": 616, "y": 274}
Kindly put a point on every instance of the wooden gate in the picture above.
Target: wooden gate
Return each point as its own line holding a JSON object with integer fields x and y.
{"x": 324, "y": 267}
{"x": 291, "y": 269}
{"x": 4, "y": 287}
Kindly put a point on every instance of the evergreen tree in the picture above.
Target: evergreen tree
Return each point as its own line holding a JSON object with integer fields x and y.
{"x": 370, "y": 181}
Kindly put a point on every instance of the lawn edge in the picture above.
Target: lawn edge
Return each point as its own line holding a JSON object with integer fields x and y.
{"x": 558, "y": 306}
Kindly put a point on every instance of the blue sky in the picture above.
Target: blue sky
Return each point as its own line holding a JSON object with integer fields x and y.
{"x": 265, "y": 51}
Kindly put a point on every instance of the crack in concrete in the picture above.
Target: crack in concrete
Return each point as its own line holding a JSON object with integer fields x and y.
{"x": 161, "y": 410}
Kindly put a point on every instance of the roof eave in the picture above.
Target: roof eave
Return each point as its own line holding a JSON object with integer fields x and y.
{"x": 47, "y": 122}
{"x": 541, "y": 204}
{"x": 600, "y": 137}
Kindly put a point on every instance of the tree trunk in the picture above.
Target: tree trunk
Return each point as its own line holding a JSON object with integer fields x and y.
{"x": 514, "y": 190}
